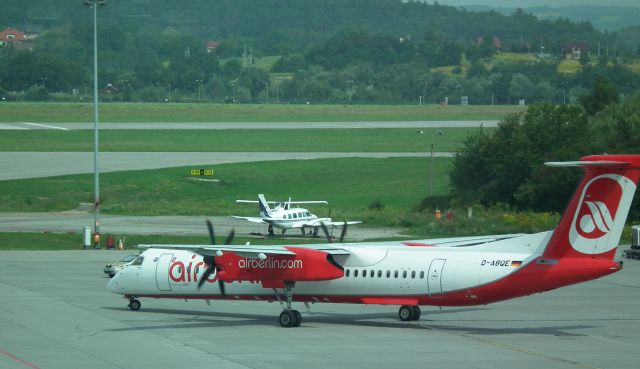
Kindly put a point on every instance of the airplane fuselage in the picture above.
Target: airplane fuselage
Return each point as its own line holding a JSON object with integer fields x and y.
{"x": 397, "y": 275}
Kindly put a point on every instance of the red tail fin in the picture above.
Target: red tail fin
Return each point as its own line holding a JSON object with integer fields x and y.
{"x": 592, "y": 224}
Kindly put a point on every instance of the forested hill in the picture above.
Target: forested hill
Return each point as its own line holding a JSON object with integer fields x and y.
{"x": 281, "y": 26}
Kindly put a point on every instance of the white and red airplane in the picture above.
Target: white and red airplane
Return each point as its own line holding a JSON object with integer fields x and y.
{"x": 441, "y": 272}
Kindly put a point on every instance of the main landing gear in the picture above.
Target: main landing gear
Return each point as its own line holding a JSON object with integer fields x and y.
{"x": 288, "y": 317}
{"x": 408, "y": 313}
{"x": 134, "y": 304}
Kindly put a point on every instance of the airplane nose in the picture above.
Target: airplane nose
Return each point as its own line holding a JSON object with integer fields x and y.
{"x": 115, "y": 284}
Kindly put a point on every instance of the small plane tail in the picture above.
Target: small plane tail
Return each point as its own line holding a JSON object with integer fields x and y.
{"x": 592, "y": 223}
{"x": 265, "y": 210}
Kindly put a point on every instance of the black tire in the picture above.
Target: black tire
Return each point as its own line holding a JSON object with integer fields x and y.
{"x": 135, "y": 305}
{"x": 406, "y": 313}
{"x": 286, "y": 319}
{"x": 298, "y": 318}
{"x": 416, "y": 312}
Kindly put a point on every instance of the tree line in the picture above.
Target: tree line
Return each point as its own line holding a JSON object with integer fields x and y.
{"x": 330, "y": 51}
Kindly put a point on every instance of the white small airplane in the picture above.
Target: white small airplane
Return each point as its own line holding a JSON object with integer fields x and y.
{"x": 285, "y": 217}
{"x": 461, "y": 271}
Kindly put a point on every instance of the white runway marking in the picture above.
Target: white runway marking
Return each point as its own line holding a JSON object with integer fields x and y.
{"x": 8, "y": 126}
{"x": 47, "y": 126}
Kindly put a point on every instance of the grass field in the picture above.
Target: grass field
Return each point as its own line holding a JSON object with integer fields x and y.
{"x": 206, "y": 112}
{"x": 290, "y": 140}
{"x": 349, "y": 185}
{"x": 569, "y": 66}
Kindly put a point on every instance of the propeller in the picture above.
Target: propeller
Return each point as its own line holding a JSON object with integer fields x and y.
{"x": 342, "y": 234}
{"x": 210, "y": 261}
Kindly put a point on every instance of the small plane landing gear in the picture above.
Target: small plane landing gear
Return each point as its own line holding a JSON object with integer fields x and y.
{"x": 270, "y": 230}
{"x": 409, "y": 313}
{"x": 134, "y": 304}
{"x": 288, "y": 317}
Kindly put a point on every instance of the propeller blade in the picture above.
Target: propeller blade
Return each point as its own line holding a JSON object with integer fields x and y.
{"x": 326, "y": 231}
{"x": 221, "y": 285}
{"x": 207, "y": 273}
{"x": 212, "y": 235}
{"x": 344, "y": 231}
{"x": 230, "y": 237}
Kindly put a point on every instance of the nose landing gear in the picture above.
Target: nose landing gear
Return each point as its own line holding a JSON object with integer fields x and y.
{"x": 134, "y": 304}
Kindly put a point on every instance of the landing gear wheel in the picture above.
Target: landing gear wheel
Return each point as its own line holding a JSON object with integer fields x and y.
{"x": 287, "y": 319}
{"x": 406, "y": 313}
{"x": 416, "y": 312}
{"x": 134, "y": 304}
{"x": 298, "y": 317}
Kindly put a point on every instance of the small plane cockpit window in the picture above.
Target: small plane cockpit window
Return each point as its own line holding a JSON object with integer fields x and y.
{"x": 308, "y": 214}
{"x": 138, "y": 261}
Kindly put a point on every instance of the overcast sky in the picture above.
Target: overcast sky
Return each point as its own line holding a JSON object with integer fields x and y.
{"x": 533, "y": 3}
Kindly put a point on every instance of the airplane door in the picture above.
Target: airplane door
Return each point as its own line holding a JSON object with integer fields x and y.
{"x": 162, "y": 272}
{"x": 434, "y": 280}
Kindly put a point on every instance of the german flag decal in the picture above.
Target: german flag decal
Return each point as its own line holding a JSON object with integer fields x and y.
{"x": 516, "y": 263}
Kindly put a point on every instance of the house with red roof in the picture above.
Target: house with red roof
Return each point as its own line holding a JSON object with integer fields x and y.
{"x": 12, "y": 36}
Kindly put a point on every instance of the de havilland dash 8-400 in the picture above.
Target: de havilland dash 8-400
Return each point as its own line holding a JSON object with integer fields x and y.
{"x": 461, "y": 271}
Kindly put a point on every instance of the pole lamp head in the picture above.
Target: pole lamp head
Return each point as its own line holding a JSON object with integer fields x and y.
{"x": 102, "y": 2}
{"x": 87, "y": 3}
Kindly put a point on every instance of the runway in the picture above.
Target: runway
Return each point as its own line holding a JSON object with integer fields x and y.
{"x": 253, "y": 125}
{"x": 20, "y": 165}
{"x": 56, "y": 313}
{"x": 73, "y": 221}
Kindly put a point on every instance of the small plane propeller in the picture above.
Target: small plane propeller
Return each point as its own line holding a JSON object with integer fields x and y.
{"x": 342, "y": 234}
{"x": 210, "y": 261}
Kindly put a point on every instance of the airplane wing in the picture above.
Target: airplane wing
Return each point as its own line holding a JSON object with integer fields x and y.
{"x": 258, "y": 252}
{"x": 307, "y": 202}
{"x": 318, "y": 222}
{"x": 250, "y": 219}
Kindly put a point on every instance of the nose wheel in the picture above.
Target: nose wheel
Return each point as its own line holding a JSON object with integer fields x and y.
{"x": 134, "y": 304}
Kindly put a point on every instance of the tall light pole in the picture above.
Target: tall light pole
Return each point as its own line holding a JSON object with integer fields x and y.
{"x": 96, "y": 168}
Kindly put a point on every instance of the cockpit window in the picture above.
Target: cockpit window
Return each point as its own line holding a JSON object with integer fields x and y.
{"x": 138, "y": 261}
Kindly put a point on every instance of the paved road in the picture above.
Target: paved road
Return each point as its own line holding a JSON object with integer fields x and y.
{"x": 17, "y": 165}
{"x": 55, "y": 313}
{"x": 73, "y": 221}
{"x": 255, "y": 125}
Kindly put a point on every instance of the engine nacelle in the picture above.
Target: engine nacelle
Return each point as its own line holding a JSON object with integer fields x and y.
{"x": 305, "y": 265}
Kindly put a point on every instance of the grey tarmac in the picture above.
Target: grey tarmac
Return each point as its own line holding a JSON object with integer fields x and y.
{"x": 255, "y": 125}
{"x": 55, "y": 313}
{"x": 20, "y": 165}
{"x": 73, "y": 221}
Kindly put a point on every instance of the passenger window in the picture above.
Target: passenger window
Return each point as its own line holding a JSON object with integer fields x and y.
{"x": 364, "y": 274}
{"x": 288, "y": 216}
{"x": 404, "y": 274}
{"x": 388, "y": 274}
{"x": 295, "y": 215}
{"x": 372, "y": 273}
{"x": 299, "y": 215}
{"x": 413, "y": 274}
{"x": 138, "y": 260}
{"x": 284, "y": 217}
{"x": 395, "y": 274}
{"x": 379, "y": 273}
{"x": 422, "y": 275}
{"x": 347, "y": 273}
{"x": 355, "y": 273}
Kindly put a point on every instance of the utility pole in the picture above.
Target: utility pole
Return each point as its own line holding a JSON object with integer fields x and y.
{"x": 96, "y": 165}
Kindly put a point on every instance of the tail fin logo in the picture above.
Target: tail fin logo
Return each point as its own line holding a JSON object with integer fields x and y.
{"x": 596, "y": 216}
